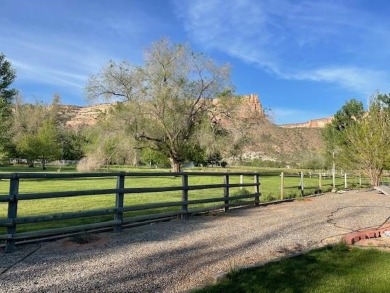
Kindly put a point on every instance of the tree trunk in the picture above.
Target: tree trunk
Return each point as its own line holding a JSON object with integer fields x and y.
{"x": 175, "y": 165}
{"x": 375, "y": 177}
{"x": 30, "y": 163}
{"x": 43, "y": 164}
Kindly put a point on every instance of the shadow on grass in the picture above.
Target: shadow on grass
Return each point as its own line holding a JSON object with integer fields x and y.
{"x": 331, "y": 269}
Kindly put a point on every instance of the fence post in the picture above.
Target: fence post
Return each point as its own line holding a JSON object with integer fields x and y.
{"x": 319, "y": 182}
{"x": 334, "y": 179}
{"x": 360, "y": 180}
{"x": 184, "y": 197}
{"x": 257, "y": 190}
{"x": 282, "y": 185}
{"x": 345, "y": 181}
{"x": 226, "y": 192}
{"x": 302, "y": 185}
{"x": 241, "y": 180}
{"x": 12, "y": 212}
{"x": 120, "y": 185}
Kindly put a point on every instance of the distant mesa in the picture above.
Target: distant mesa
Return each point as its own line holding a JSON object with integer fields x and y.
{"x": 249, "y": 106}
{"x": 77, "y": 116}
{"x": 315, "y": 123}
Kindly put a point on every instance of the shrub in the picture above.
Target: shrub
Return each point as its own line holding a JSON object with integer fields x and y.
{"x": 89, "y": 164}
{"x": 268, "y": 197}
{"x": 242, "y": 191}
{"x": 238, "y": 192}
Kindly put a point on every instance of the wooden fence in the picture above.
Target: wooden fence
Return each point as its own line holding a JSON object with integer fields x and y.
{"x": 119, "y": 213}
{"x": 333, "y": 182}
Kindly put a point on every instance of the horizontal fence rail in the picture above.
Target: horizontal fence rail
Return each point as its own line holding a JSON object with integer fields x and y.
{"x": 190, "y": 196}
{"x": 133, "y": 198}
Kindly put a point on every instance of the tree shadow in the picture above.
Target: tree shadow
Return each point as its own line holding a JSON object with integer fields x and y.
{"x": 175, "y": 256}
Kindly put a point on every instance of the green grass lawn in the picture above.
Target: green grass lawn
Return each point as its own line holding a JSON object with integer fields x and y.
{"x": 337, "y": 269}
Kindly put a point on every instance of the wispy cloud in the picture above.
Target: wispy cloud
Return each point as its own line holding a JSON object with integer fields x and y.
{"x": 65, "y": 63}
{"x": 362, "y": 80}
{"x": 63, "y": 49}
{"x": 322, "y": 41}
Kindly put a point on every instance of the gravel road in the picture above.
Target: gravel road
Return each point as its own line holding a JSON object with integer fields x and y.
{"x": 178, "y": 256}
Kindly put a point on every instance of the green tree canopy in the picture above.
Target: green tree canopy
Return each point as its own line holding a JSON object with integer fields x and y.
{"x": 363, "y": 140}
{"x": 333, "y": 133}
{"x": 35, "y": 132}
{"x": 7, "y": 76}
{"x": 166, "y": 102}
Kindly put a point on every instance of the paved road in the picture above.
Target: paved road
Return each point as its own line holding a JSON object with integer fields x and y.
{"x": 177, "y": 256}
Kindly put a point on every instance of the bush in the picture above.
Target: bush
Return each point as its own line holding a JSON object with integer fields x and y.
{"x": 89, "y": 164}
{"x": 268, "y": 197}
{"x": 242, "y": 191}
{"x": 238, "y": 192}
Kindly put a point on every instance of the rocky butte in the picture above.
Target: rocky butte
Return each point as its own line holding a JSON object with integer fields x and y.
{"x": 77, "y": 116}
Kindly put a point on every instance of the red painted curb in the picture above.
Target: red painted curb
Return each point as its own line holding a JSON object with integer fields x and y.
{"x": 354, "y": 237}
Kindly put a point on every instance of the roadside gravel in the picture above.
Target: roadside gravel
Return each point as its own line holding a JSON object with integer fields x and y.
{"x": 178, "y": 256}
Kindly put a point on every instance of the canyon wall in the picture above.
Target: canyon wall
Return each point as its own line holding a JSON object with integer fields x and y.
{"x": 77, "y": 116}
{"x": 247, "y": 106}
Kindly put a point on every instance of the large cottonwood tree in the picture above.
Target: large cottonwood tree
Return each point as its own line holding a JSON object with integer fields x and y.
{"x": 167, "y": 99}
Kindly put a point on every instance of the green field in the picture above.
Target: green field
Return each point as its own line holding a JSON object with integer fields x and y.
{"x": 336, "y": 269}
{"x": 270, "y": 190}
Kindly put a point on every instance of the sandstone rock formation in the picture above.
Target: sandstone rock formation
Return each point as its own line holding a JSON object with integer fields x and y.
{"x": 315, "y": 123}
{"x": 251, "y": 104}
{"x": 77, "y": 116}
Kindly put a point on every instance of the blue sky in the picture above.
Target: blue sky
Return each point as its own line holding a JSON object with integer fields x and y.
{"x": 305, "y": 59}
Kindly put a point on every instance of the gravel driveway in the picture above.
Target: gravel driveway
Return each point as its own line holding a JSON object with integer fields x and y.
{"x": 177, "y": 256}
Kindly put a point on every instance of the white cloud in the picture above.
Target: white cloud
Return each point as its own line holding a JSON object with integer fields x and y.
{"x": 322, "y": 41}
{"x": 62, "y": 62}
{"x": 46, "y": 75}
{"x": 74, "y": 41}
{"x": 363, "y": 80}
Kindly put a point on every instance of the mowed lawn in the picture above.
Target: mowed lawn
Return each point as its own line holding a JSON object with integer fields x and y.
{"x": 270, "y": 189}
{"x": 337, "y": 269}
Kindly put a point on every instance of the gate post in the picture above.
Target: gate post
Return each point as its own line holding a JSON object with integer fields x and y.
{"x": 257, "y": 190}
{"x": 184, "y": 197}
{"x": 120, "y": 185}
{"x": 320, "y": 182}
{"x": 282, "y": 185}
{"x": 226, "y": 192}
{"x": 345, "y": 181}
{"x": 302, "y": 185}
{"x": 12, "y": 212}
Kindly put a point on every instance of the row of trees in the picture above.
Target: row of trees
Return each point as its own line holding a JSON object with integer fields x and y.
{"x": 359, "y": 139}
{"x": 179, "y": 106}
{"x": 36, "y": 132}
{"x": 33, "y": 131}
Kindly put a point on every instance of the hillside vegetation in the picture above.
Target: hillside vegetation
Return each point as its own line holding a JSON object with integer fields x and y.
{"x": 268, "y": 141}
